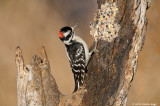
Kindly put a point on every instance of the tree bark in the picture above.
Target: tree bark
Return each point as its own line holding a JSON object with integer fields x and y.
{"x": 119, "y": 28}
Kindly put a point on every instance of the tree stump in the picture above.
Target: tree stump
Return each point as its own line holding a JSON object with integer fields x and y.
{"x": 119, "y": 27}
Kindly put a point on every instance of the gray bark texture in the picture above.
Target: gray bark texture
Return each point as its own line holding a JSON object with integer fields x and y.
{"x": 119, "y": 28}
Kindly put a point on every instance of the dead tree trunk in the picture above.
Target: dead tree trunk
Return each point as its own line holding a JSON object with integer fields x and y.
{"x": 119, "y": 27}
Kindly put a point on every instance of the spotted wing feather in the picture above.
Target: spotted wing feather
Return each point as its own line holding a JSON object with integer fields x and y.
{"x": 77, "y": 62}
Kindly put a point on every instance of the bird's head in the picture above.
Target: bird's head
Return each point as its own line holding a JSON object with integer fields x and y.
{"x": 67, "y": 33}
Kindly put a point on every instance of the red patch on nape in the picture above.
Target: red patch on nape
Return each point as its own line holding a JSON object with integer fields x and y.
{"x": 60, "y": 34}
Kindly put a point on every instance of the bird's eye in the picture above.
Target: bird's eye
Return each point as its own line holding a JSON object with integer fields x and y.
{"x": 68, "y": 36}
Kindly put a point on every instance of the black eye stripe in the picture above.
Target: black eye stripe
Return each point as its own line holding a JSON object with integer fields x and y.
{"x": 67, "y": 38}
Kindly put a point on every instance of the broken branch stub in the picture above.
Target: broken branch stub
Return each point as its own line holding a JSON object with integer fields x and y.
{"x": 35, "y": 84}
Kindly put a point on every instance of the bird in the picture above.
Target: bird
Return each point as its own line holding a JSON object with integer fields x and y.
{"x": 77, "y": 52}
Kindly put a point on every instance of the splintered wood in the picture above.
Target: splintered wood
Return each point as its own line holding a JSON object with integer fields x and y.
{"x": 35, "y": 84}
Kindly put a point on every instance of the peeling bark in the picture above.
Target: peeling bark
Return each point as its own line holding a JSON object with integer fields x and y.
{"x": 110, "y": 71}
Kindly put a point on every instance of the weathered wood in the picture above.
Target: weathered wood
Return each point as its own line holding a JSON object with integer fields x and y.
{"x": 21, "y": 78}
{"x": 119, "y": 28}
{"x": 113, "y": 68}
{"x": 35, "y": 84}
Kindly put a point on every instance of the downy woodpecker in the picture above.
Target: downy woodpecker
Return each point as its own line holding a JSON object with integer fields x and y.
{"x": 77, "y": 52}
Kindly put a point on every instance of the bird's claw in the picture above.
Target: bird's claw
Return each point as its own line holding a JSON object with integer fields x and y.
{"x": 95, "y": 49}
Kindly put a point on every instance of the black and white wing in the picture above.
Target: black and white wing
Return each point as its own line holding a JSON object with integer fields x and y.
{"x": 77, "y": 62}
